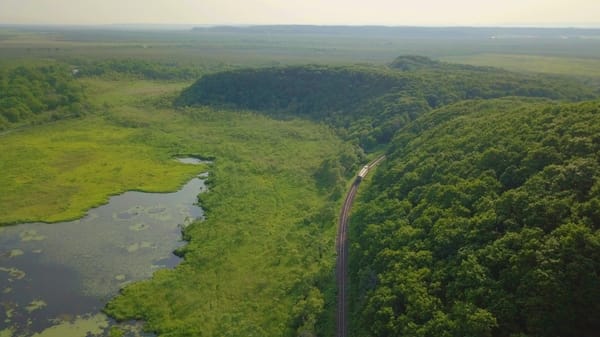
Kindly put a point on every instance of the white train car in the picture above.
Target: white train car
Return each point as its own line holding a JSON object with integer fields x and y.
{"x": 363, "y": 172}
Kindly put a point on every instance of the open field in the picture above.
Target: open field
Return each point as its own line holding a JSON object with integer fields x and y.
{"x": 224, "y": 48}
{"x": 584, "y": 67}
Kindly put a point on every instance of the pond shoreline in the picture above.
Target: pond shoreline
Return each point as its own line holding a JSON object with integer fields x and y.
{"x": 90, "y": 259}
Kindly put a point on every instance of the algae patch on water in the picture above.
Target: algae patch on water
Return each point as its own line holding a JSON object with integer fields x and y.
{"x": 137, "y": 246}
{"x": 90, "y": 326}
{"x": 15, "y": 253}
{"x": 7, "y": 332}
{"x": 50, "y": 274}
{"x": 81, "y": 326}
{"x": 14, "y": 273}
{"x": 31, "y": 235}
{"x": 35, "y": 305}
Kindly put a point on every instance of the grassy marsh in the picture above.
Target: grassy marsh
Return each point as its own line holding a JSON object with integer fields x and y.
{"x": 267, "y": 244}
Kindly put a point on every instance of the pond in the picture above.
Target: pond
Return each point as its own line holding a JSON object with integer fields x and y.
{"x": 56, "y": 278}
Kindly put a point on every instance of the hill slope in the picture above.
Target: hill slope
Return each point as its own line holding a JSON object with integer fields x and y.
{"x": 370, "y": 103}
{"x": 483, "y": 222}
{"x": 484, "y": 219}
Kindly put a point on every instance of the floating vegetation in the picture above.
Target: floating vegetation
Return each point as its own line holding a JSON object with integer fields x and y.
{"x": 31, "y": 235}
{"x": 161, "y": 216}
{"x": 7, "y": 332}
{"x": 136, "y": 246}
{"x": 14, "y": 273}
{"x": 81, "y": 326}
{"x": 133, "y": 247}
{"x": 35, "y": 305}
{"x": 69, "y": 269}
{"x": 15, "y": 253}
{"x": 9, "y": 311}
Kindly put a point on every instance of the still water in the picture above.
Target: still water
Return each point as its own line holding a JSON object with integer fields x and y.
{"x": 55, "y": 278}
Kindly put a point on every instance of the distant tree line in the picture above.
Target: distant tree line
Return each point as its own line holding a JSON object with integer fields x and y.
{"x": 139, "y": 69}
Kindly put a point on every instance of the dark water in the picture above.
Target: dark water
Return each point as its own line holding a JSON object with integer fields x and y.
{"x": 55, "y": 278}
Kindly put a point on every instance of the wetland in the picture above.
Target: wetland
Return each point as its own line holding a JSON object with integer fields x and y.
{"x": 62, "y": 274}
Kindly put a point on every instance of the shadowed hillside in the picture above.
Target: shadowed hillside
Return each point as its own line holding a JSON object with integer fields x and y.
{"x": 369, "y": 103}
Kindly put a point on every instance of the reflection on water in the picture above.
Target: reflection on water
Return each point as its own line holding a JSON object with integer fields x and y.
{"x": 53, "y": 275}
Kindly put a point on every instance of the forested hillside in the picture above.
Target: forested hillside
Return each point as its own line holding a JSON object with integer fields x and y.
{"x": 483, "y": 222}
{"x": 484, "y": 219}
{"x": 38, "y": 93}
{"x": 369, "y": 103}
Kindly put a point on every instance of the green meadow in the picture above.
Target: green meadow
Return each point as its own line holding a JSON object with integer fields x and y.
{"x": 574, "y": 66}
{"x": 57, "y": 171}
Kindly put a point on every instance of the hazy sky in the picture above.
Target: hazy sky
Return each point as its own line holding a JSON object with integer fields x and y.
{"x": 353, "y": 12}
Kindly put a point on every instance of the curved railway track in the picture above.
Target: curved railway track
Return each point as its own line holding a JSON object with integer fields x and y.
{"x": 342, "y": 251}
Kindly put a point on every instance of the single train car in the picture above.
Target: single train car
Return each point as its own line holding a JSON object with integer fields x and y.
{"x": 363, "y": 172}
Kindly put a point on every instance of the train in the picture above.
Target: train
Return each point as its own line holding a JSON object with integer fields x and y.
{"x": 363, "y": 172}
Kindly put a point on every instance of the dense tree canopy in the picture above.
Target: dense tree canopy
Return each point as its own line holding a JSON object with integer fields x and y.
{"x": 483, "y": 222}
{"x": 369, "y": 103}
{"x": 141, "y": 69}
{"x": 30, "y": 93}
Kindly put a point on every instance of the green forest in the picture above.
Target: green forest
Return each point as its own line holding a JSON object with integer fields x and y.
{"x": 42, "y": 93}
{"x": 369, "y": 104}
{"x": 482, "y": 221}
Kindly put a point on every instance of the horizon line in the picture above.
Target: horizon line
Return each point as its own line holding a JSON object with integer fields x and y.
{"x": 246, "y": 25}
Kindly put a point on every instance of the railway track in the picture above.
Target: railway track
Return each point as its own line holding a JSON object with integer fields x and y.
{"x": 342, "y": 251}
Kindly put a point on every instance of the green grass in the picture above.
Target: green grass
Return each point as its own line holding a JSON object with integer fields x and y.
{"x": 269, "y": 236}
{"x": 262, "y": 262}
{"x": 57, "y": 171}
{"x": 585, "y": 67}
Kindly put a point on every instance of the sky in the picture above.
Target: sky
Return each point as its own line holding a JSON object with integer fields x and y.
{"x": 575, "y": 13}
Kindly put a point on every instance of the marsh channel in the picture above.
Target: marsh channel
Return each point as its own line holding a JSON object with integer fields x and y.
{"x": 56, "y": 278}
